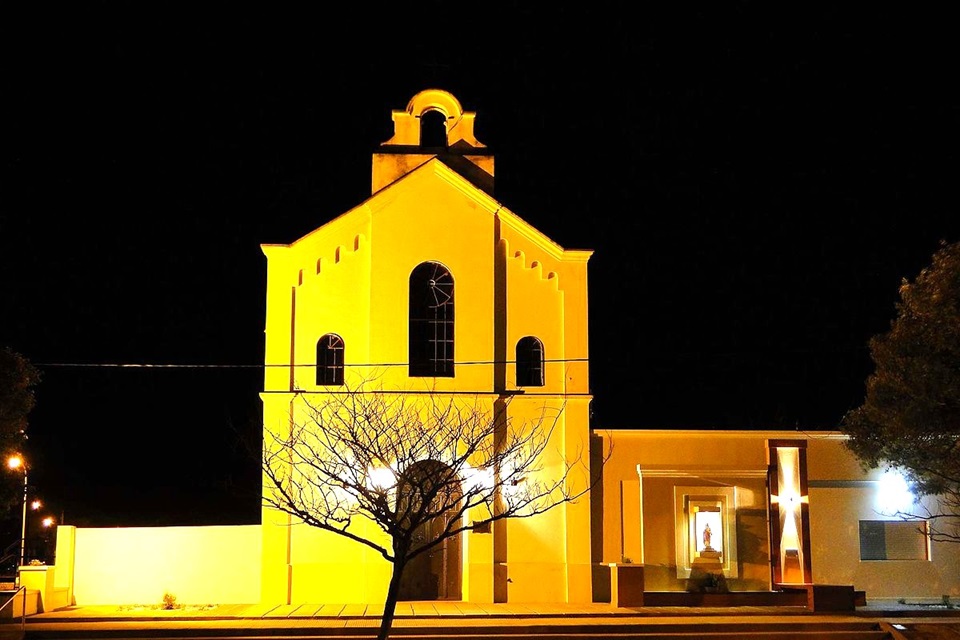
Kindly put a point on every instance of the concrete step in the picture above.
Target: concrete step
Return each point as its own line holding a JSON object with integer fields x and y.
{"x": 529, "y": 630}
{"x": 227, "y": 635}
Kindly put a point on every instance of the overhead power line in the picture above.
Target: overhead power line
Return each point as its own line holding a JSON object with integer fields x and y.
{"x": 148, "y": 365}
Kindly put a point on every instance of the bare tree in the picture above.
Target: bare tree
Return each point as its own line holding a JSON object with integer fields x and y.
{"x": 942, "y": 518}
{"x": 423, "y": 468}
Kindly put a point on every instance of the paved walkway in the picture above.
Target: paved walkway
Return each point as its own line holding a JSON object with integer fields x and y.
{"x": 405, "y": 610}
{"x": 455, "y": 609}
{"x": 930, "y": 621}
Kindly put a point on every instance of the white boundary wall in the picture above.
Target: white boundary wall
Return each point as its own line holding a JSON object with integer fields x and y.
{"x": 136, "y": 566}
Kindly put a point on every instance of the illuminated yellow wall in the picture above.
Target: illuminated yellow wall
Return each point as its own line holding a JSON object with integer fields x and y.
{"x": 639, "y": 514}
{"x": 351, "y": 277}
{"x": 637, "y": 517}
{"x": 841, "y": 495}
{"x": 199, "y": 565}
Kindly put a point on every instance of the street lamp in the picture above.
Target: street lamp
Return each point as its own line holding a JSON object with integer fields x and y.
{"x": 17, "y": 462}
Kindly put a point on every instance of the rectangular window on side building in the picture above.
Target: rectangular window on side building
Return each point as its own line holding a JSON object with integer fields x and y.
{"x": 893, "y": 540}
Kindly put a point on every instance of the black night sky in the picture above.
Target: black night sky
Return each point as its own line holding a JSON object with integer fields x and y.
{"x": 755, "y": 183}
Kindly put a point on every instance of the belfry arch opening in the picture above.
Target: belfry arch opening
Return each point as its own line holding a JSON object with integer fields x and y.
{"x": 433, "y": 129}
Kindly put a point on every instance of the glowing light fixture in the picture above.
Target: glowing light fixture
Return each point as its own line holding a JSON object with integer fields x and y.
{"x": 381, "y": 478}
{"x": 475, "y": 479}
{"x": 893, "y": 493}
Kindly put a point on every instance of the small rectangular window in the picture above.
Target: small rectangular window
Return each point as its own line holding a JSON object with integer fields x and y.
{"x": 893, "y": 540}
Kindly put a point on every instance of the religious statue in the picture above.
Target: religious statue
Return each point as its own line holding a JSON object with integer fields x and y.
{"x": 707, "y": 535}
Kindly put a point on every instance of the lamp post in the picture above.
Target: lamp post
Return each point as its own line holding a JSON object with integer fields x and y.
{"x": 17, "y": 462}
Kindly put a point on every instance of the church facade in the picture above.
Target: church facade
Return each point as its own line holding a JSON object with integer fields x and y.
{"x": 433, "y": 288}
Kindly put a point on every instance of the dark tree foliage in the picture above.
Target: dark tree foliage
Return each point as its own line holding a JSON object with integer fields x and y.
{"x": 910, "y": 418}
{"x": 17, "y": 379}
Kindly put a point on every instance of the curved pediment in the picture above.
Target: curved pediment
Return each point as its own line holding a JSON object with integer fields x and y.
{"x": 435, "y": 100}
{"x": 457, "y": 123}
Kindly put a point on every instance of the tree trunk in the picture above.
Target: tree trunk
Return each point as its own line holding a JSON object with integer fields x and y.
{"x": 390, "y": 604}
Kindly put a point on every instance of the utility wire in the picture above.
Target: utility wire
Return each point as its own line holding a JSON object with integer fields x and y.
{"x": 138, "y": 365}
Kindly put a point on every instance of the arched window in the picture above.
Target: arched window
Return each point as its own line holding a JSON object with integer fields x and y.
{"x": 330, "y": 360}
{"x": 431, "y": 321}
{"x": 433, "y": 129}
{"x": 529, "y": 362}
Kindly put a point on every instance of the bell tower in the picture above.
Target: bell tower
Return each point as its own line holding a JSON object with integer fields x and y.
{"x": 412, "y": 145}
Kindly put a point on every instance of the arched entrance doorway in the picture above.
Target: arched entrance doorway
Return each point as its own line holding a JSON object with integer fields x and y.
{"x": 434, "y": 574}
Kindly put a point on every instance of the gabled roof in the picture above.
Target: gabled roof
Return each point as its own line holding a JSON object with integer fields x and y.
{"x": 464, "y": 163}
{"x": 440, "y": 168}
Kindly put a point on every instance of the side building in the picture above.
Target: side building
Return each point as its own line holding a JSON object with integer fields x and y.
{"x": 784, "y": 509}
